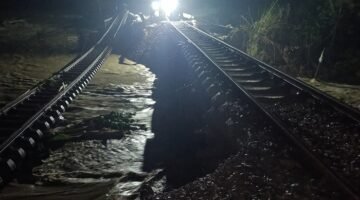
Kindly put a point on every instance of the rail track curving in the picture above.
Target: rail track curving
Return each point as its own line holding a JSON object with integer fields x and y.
{"x": 325, "y": 131}
{"x": 24, "y": 121}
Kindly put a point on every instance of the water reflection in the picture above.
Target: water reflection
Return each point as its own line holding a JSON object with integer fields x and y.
{"x": 84, "y": 169}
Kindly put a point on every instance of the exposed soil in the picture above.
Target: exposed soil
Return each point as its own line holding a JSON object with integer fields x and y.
{"x": 262, "y": 168}
{"x": 253, "y": 174}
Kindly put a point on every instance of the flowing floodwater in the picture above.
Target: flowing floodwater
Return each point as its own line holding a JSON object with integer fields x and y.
{"x": 19, "y": 73}
{"x": 99, "y": 169}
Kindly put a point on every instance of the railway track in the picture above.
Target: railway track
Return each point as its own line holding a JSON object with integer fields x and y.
{"x": 212, "y": 28}
{"x": 324, "y": 131}
{"x": 24, "y": 121}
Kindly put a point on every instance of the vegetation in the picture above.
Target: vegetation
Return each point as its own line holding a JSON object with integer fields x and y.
{"x": 254, "y": 35}
{"x": 292, "y": 35}
{"x": 346, "y": 93}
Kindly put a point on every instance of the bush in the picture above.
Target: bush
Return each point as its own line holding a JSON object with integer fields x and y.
{"x": 290, "y": 35}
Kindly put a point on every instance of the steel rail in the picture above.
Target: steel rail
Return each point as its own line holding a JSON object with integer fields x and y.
{"x": 67, "y": 68}
{"x": 76, "y": 74}
{"x": 340, "y": 106}
{"x": 343, "y": 184}
{"x": 49, "y": 105}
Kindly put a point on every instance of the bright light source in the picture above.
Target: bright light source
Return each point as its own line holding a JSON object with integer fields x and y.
{"x": 155, "y": 5}
{"x": 166, "y": 6}
{"x": 169, "y": 6}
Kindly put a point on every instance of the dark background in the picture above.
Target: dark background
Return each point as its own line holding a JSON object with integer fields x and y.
{"x": 298, "y": 30}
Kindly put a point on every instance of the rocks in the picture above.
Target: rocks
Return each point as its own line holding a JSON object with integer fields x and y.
{"x": 244, "y": 176}
{"x": 328, "y": 133}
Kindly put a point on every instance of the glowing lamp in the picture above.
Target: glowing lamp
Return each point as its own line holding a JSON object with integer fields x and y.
{"x": 166, "y": 6}
{"x": 155, "y": 5}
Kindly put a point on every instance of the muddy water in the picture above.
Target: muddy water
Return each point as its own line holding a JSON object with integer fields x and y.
{"x": 19, "y": 73}
{"x": 99, "y": 169}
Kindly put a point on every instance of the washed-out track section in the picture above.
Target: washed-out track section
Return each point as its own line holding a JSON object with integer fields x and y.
{"x": 25, "y": 121}
{"x": 324, "y": 131}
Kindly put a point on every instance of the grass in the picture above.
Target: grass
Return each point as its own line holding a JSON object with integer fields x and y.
{"x": 260, "y": 31}
{"x": 346, "y": 93}
{"x": 255, "y": 37}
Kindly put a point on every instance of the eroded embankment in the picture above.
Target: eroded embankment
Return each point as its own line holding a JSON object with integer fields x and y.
{"x": 180, "y": 137}
{"x": 195, "y": 131}
{"x": 177, "y": 116}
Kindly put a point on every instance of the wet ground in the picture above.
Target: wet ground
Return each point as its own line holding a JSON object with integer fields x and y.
{"x": 93, "y": 169}
{"x": 21, "y": 72}
{"x": 32, "y": 47}
{"x": 169, "y": 134}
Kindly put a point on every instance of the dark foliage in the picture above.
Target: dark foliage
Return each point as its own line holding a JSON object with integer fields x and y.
{"x": 293, "y": 34}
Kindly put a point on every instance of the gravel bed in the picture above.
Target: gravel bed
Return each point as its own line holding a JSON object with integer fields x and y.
{"x": 331, "y": 135}
{"x": 263, "y": 167}
{"x": 260, "y": 170}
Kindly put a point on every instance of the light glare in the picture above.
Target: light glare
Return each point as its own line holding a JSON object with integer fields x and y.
{"x": 169, "y": 6}
{"x": 155, "y": 5}
{"x": 166, "y": 6}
